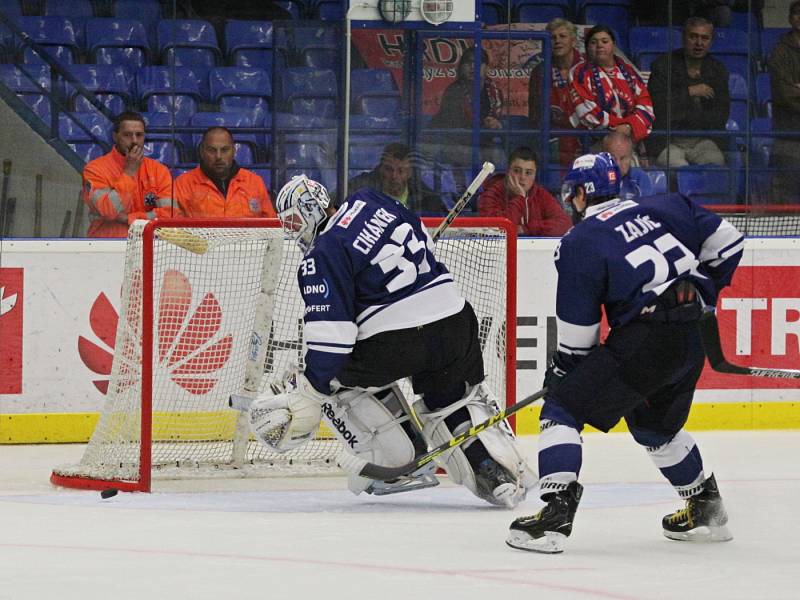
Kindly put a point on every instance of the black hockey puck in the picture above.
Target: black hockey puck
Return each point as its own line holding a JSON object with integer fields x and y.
{"x": 109, "y": 493}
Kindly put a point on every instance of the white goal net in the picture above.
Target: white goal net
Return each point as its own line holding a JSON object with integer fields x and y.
{"x": 212, "y": 309}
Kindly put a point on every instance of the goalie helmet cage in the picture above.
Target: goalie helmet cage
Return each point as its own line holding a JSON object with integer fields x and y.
{"x": 210, "y": 308}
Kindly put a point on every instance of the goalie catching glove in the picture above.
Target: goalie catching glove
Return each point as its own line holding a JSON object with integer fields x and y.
{"x": 289, "y": 419}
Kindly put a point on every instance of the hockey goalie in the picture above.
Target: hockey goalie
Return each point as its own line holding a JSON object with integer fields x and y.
{"x": 380, "y": 308}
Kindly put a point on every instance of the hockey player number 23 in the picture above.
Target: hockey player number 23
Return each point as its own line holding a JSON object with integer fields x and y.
{"x": 393, "y": 257}
{"x": 656, "y": 254}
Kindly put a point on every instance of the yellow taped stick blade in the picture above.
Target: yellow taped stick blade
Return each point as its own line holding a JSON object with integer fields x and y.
{"x": 183, "y": 239}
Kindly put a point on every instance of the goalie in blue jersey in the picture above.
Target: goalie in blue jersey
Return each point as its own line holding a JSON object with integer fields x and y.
{"x": 379, "y": 307}
{"x": 653, "y": 264}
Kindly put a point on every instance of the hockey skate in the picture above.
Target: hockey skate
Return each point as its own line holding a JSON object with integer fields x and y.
{"x": 496, "y": 485}
{"x": 547, "y": 530}
{"x": 703, "y": 520}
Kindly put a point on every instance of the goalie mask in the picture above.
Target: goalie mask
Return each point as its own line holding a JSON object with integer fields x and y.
{"x": 301, "y": 206}
{"x": 597, "y": 174}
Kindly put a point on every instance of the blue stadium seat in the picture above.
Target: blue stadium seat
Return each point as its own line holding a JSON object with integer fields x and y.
{"x": 111, "y": 86}
{"x": 538, "y": 12}
{"x": 117, "y": 42}
{"x": 146, "y": 11}
{"x": 289, "y": 121}
{"x": 164, "y": 151}
{"x": 237, "y": 89}
{"x": 761, "y": 142}
{"x": 252, "y": 141}
{"x": 294, "y": 8}
{"x": 707, "y": 185}
{"x": 316, "y": 47}
{"x": 745, "y": 21}
{"x": 188, "y": 42}
{"x": 163, "y": 119}
{"x": 167, "y": 89}
{"x": 12, "y": 9}
{"x": 763, "y": 95}
{"x": 31, "y": 84}
{"x": 658, "y": 179}
{"x": 87, "y": 151}
{"x": 363, "y": 158}
{"x": 55, "y": 34}
{"x": 266, "y": 176}
{"x": 77, "y": 11}
{"x": 647, "y": 43}
{"x": 374, "y": 92}
{"x": 730, "y": 47}
{"x": 769, "y": 39}
{"x": 494, "y": 12}
{"x": 249, "y": 44}
{"x": 84, "y": 127}
{"x": 308, "y": 91}
{"x": 616, "y": 16}
{"x": 328, "y": 10}
{"x": 370, "y": 122}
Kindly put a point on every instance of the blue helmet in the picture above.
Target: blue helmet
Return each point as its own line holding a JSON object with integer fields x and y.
{"x": 598, "y": 174}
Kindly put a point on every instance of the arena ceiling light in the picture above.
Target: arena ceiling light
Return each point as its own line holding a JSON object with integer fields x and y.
{"x": 394, "y": 11}
{"x": 436, "y": 12}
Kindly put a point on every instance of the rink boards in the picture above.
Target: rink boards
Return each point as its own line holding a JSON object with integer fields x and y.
{"x": 60, "y": 301}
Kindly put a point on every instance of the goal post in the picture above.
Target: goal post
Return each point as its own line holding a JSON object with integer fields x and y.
{"x": 211, "y": 308}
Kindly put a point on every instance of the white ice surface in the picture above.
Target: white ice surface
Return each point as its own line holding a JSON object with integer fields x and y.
{"x": 302, "y": 538}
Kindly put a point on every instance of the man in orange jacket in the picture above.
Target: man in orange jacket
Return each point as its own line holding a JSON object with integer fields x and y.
{"x": 124, "y": 185}
{"x": 218, "y": 187}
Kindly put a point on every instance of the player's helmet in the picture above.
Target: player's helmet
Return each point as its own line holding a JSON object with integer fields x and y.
{"x": 598, "y": 174}
{"x": 301, "y": 208}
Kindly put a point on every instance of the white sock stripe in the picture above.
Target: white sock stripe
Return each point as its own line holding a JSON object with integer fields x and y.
{"x": 694, "y": 488}
{"x": 556, "y": 434}
{"x": 672, "y": 452}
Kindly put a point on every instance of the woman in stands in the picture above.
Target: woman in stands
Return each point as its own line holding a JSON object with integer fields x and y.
{"x": 564, "y": 37}
{"x": 607, "y": 92}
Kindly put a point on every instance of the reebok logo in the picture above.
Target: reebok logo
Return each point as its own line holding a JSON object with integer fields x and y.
{"x": 339, "y": 425}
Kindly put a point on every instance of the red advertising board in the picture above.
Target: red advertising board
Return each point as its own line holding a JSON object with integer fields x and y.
{"x": 11, "y": 296}
{"x": 759, "y": 322}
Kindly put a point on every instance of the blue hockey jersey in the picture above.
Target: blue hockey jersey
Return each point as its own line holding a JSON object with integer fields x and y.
{"x": 371, "y": 270}
{"x": 625, "y": 253}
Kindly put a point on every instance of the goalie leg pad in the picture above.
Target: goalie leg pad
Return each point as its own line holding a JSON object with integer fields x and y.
{"x": 369, "y": 423}
{"x": 499, "y": 441}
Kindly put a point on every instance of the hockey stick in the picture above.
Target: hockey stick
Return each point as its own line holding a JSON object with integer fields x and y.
{"x": 488, "y": 169}
{"x": 183, "y": 239}
{"x": 709, "y": 334}
{"x": 353, "y": 464}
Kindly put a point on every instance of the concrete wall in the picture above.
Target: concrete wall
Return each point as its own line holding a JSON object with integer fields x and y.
{"x": 30, "y": 155}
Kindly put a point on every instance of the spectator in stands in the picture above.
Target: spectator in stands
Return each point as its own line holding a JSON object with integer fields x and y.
{"x": 607, "y": 92}
{"x": 784, "y": 72}
{"x": 124, "y": 185}
{"x": 518, "y": 198}
{"x": 218, "y": 187}
{"x": 635, "y": 182}
{"x": 689, "y": 91}
{"x": 564, "y": 37}
{"x": 395, "y": 176}
{"x": 455, "y": 110}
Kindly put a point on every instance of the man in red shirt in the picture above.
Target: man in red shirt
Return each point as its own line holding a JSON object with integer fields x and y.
{"x": 124, "y": 185}
{"x": 518, "y": 198}
{"x": 218, "y": 187}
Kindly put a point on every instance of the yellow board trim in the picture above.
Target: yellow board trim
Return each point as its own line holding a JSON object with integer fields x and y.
{"x": 60, "y": 428}
{"x": 705, "y": 417}
{"x": 64, "y": 428}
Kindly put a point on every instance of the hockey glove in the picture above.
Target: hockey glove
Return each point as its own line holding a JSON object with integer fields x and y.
{"x": 287, "y": 420}
{"x": 558, "y": 367}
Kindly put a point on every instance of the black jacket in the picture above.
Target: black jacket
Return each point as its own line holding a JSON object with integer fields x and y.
{"x": 687, "y": 112}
